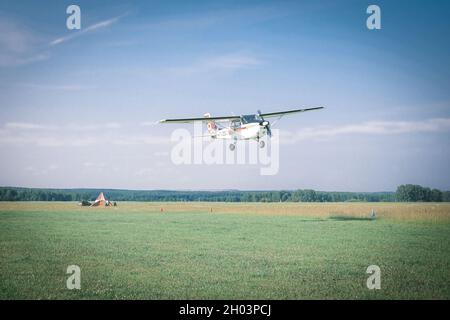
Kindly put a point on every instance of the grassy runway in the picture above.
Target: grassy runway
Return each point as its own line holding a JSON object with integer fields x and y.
{"x": 224, "y": 251}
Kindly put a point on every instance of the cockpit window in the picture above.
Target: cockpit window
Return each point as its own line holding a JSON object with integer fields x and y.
{"x": 250, "y": 118}
{"x": 235, "y": 124}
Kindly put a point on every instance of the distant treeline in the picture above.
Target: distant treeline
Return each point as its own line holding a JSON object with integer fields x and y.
{"x": 403, "y": 193}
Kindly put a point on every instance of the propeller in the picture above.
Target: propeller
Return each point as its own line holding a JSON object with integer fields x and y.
{"x": 266, "y": 124}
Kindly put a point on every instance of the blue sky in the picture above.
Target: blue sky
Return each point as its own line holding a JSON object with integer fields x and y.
{"x": 77, "y": 106}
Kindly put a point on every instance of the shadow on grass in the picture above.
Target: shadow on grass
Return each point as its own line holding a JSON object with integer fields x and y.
{"x": 350, "y": 218}
{"x": 311, "y": 220}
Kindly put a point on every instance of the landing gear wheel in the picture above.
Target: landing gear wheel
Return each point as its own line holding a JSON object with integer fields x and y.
{"x": 232, "y": 147}
{"x": 262, "y": 144}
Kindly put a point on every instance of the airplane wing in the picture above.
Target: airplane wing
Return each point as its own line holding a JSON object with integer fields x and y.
{"x": 229, "y": 118}
{"x": 282, "y": 113}
{"x": 204, "y": 119}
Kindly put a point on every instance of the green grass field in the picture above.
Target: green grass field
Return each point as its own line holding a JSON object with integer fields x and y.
{"x": 135, "y": 251}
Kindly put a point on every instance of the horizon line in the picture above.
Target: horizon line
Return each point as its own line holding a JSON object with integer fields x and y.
{"x": 202, "y": 190}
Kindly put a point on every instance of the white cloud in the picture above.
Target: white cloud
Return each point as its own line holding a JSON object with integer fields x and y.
{"x": 372, "y": 127}
{"x": 145, "y": 171}
{"x": 42, "y": 170}
{"x": 14, "y": 37}
{"x": 141, "y": 140}
{"x": 27, "y": 126}
{"x": 99, "y": 165}
{"x": 74, "y": 135}
{"x": 229, "y": 63}
{"x": 149, "y": 123}
{"x": 53, "y": 167}
{"x": 9, "y": 60}
{"x": 59, "y": 87}
{"x": 92, "y": 28}
{"x": 161, "y": 154}
{"x": 97, "y": 126}
{"x": 240, "y": 15}
{"x": 17, "y": 126}
{"x": 18, "y": 44}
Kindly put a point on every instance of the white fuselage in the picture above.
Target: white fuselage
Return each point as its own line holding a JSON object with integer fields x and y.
{"x": 244, "y": 132}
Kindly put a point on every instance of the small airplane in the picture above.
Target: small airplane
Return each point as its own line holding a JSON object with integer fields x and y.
{"x": 244, "y": 127}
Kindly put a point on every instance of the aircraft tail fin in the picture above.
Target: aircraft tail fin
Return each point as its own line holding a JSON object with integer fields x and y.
{"x": 212, "y": 127}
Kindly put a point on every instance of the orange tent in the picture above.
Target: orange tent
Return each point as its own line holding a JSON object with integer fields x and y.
{"x": 100, "y": 201}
